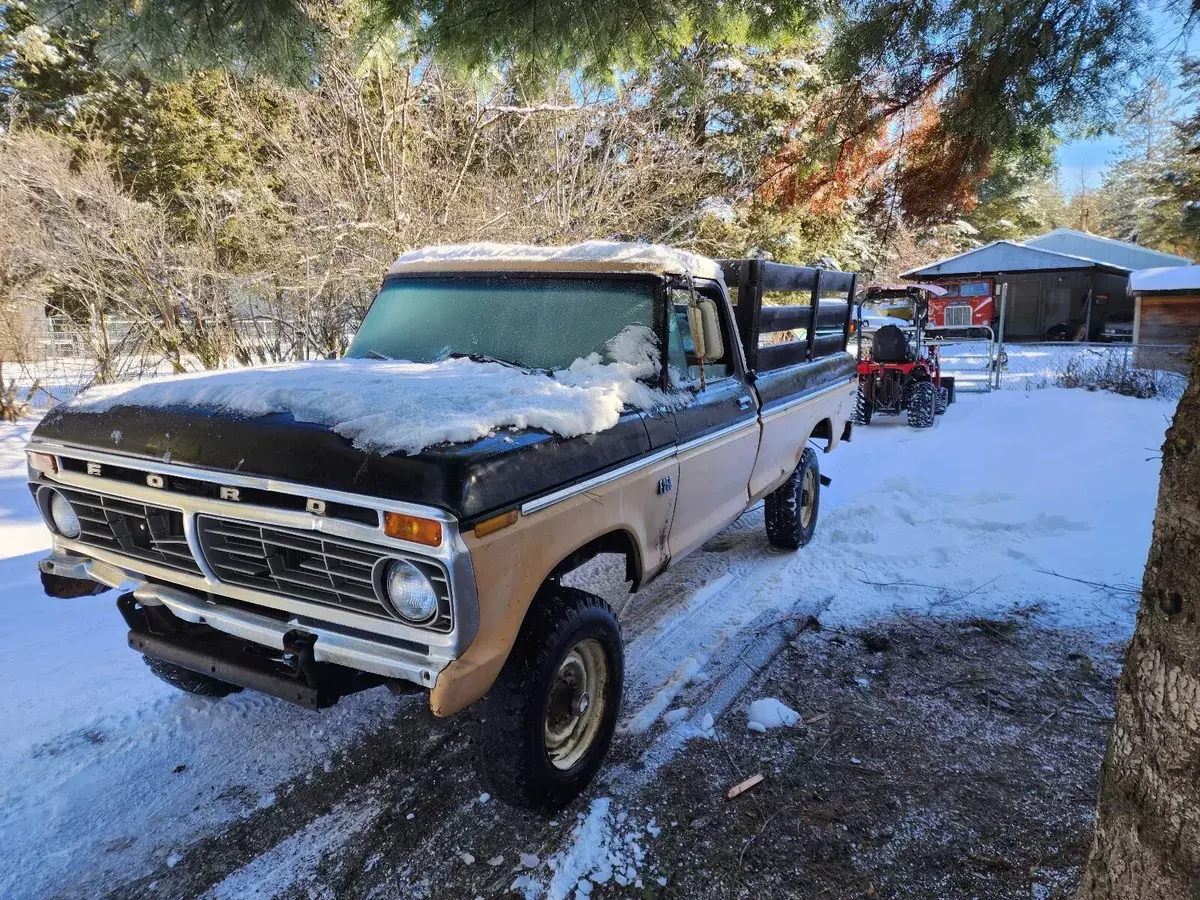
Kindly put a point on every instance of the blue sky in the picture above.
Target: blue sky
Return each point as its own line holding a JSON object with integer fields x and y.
{"x": 1082, "y": 163}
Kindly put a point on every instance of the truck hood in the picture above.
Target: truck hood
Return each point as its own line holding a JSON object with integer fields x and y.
{"x": 469, "y": 479}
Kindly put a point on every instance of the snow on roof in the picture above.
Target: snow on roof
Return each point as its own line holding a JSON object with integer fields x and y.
{"x": 1125, "y": 254}
{"x": 1004, "y": 256}
{"x": 1062, "y": 248}
{"x": 1169, "y": 278}
{"x": 590, "y": 256}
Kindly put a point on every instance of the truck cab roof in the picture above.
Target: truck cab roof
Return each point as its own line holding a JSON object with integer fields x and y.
{"x": 590, "y": 256}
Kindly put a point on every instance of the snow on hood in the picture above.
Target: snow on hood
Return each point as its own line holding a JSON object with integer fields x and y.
{"x": 388, "y": 406}
{"x": 588, "y": 256}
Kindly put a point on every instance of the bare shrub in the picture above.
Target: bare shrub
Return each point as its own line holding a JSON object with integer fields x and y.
{"x": 1110, "y": 373}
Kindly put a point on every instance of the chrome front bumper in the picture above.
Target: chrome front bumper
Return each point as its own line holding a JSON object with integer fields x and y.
{"x": 332, "y": 645}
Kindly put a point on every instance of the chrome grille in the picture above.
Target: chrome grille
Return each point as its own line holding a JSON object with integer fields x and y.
{"x": 139, "y": 530}
{"x": 310, "y": 566}
{"x": 959, "y": 314}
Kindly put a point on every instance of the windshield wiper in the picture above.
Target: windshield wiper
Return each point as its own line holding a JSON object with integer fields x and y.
{"x": 485, "y": 358}
{"x": 375, "y": 354}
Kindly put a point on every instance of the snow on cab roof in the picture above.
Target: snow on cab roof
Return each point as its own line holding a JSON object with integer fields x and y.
{"x": 590, "y": 256}
{"x": 1169, "y": 278}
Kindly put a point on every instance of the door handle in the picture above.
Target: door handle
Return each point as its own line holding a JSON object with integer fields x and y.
{"x": 744, "y": 402}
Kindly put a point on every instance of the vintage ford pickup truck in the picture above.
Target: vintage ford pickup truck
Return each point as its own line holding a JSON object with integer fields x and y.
{"x": 406, "y": 515}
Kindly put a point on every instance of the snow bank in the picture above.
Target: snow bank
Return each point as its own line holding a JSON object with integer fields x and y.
{"x": 771, "y": 713}
{"x": 386, "y": 406}
{"x": 589, "y": 254}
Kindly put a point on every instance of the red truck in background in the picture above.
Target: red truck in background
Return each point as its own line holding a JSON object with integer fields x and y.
{"x": 966, "y": 306}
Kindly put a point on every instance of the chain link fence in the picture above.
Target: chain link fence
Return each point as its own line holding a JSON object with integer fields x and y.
{"x": 1145, "y": 371}
{"x": 68, "y": 358}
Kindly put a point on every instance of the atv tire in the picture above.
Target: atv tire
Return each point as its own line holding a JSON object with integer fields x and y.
{"x": 862, "y": 408}
{"x": 188, "y": 681}
{"x": 791, "y": 509}
{"x": 547, "y": 722}
{"x": 948, "y": 387}
{"x": 942, "y": 398}
{"x": 922, "y": 404}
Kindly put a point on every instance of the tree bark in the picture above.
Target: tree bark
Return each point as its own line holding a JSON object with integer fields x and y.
{"x": 1147, "y": 838}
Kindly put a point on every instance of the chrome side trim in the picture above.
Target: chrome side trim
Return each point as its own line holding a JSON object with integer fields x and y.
{"x": 331, "y": 646}
{"x": 777, "y": 409}
{"x": 582, "y": 487}
{"x": 574, "y": 490}
{"x": 717, "y": 435}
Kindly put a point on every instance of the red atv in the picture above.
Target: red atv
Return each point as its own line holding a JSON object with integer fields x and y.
{"x": 902, "y": 374}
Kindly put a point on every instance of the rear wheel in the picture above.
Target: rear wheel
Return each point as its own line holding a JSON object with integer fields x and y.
{"x": 791, "y": 509}
{"x": 922, "y": 404}
{"x": 548, "y": 720}
{"x": 188, "y": 681}
{"x": 862, "y": 408}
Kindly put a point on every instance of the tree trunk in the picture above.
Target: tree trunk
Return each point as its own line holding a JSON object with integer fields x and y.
{"x": 1147, "y": 839}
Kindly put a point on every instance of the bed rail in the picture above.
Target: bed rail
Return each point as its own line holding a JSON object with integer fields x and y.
{"x": 821, "y": 321}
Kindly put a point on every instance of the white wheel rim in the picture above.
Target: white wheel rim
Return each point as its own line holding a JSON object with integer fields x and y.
{"x": 576, "y": 705}
{"x": 808, "y": 497}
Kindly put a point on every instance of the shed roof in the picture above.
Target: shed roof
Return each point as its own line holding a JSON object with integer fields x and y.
{"x": 1008, "y": 256}
{"x": 1055, "y": 251}
{"x": 1171, "y": 278}
{"x": 1102, "y": 249}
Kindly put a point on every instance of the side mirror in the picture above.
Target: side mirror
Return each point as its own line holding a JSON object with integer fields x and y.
{"x": 705, "y": 322}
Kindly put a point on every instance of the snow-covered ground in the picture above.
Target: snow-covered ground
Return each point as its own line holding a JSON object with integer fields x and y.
{"x": 111, "y": 775}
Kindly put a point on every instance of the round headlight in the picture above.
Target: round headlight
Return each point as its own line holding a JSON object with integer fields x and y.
{"x": 410, "y": 592}
{"x": 65, "y": 519}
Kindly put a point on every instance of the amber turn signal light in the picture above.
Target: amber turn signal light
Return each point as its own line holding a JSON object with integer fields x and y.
{"x": 487, "y": 526}
{"x": 42, "y": 462}
{"x": 412, "y": 528}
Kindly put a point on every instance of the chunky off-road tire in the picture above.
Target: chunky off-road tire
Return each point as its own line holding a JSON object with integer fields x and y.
{"x": 545, "y": 725}
{"x": 922, "y": 404}
{"x": 792, "y": 507}
{"x": 189, "y": 681}
{"x": 941, "y": 400}
{"x": 862, "y": 408}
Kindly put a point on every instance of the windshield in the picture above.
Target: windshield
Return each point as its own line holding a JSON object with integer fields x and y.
{"x": 535, "y": 322}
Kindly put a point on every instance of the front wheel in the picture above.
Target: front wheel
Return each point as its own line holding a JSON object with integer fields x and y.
{"x": 792, "y": 507}
{"x": 548, "y": 720}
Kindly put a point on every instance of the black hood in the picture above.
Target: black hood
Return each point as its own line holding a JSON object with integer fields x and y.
{"x": 468, "y": 480}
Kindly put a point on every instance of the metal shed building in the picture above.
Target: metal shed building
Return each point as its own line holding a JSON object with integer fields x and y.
{"x": 1061, "y": 280}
